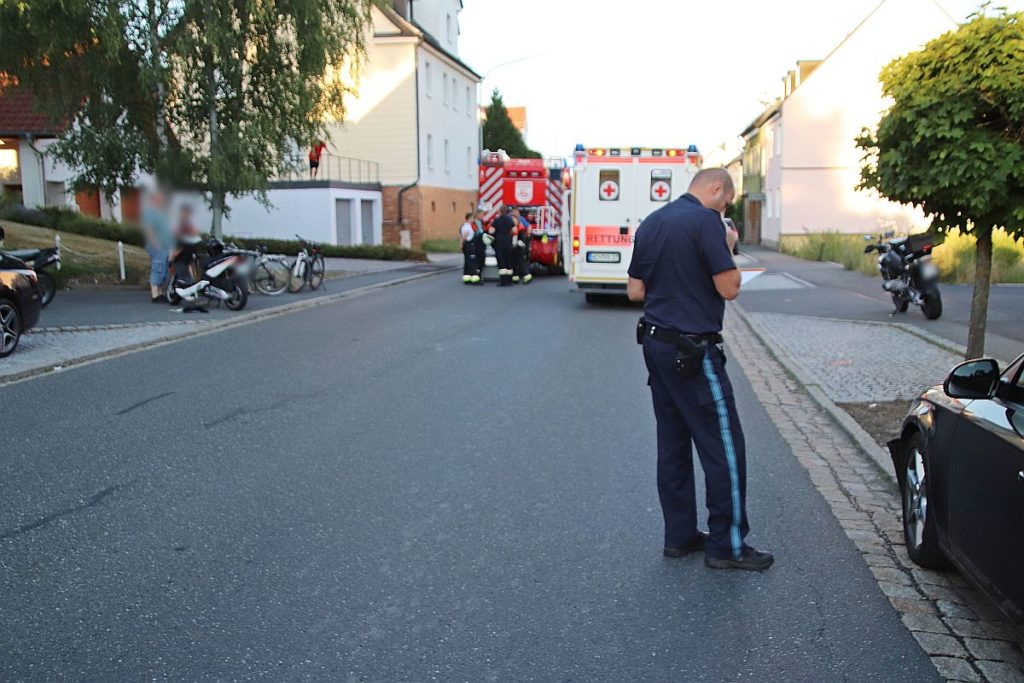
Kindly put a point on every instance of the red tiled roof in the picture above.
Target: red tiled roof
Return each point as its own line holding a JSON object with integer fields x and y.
{"x": 18, "y": 115}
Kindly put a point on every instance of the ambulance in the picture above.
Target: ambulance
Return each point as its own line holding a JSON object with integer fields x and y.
{"x": 613, "y": 190}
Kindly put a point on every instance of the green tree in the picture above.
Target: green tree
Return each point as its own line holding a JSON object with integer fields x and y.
{"x": 218, "y": 95}
{"x": 952, "y": 142}
{"x": 501, "y": 133}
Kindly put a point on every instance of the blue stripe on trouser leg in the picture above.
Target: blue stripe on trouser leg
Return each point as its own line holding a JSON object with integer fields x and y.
{"x": 730, "y": 454}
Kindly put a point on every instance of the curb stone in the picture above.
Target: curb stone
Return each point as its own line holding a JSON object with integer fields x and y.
{"x": 878, "y": 455}
{"x": 959, "y": 629}
{"x": 200, "y": 328}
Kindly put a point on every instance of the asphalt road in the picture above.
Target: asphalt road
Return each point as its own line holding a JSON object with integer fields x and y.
{"x": 131, "y": 304}
{"x": 850, "y": 295}
{"x": 430, "y": 482}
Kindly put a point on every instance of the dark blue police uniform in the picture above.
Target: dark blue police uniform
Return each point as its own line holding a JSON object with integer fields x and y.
{"x": 678, "y": 250}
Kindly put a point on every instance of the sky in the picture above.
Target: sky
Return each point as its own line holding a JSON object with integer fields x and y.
{"x": 659, "y": 73}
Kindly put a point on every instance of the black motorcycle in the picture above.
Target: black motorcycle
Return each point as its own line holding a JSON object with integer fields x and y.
{"x": 908, "y": 273}
{"x": 40, "y": 260}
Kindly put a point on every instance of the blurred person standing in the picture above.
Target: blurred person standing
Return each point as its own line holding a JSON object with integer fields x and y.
{"x": 156, "y": 226}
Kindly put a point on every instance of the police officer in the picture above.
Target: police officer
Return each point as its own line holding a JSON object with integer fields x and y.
{"x": 502, "y": 228}
{"x": 683, "y": 271}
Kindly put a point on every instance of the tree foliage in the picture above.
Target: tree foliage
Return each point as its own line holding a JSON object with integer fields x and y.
{"x": 215, "y": 94}
{"x": 501, "y": 133}
{"x": 952, "y": 142}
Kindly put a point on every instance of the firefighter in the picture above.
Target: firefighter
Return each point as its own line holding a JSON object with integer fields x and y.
{"x": 480, "y": 230}
{"x": 521, "y": 249}
{"x": 467, "y": 243}
{"x": 502, "y": 228}
{"x": 683, "y": 271}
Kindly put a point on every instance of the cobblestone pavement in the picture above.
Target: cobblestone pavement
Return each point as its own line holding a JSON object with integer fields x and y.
{"x": 961, "y": 631}
{"x": 859, "y": 361}
{"x": 53, "y": 347}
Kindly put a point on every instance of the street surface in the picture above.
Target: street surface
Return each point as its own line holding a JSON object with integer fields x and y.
{"x": 827, "y": 290}
{"x": 429, "y": 482}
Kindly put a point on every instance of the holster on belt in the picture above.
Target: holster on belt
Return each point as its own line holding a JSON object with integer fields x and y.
{"x": 690, "y": 349}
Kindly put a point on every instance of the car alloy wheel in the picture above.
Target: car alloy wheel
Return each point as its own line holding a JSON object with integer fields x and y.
{"x": 10, "y": 328}
{"x": 919, "y": 532}
{"x": 915, "y": 497}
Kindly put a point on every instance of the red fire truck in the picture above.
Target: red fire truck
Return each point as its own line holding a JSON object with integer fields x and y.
{"x": 539, "y": 189}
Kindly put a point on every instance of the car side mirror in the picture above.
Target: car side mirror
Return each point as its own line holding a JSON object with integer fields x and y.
{"x": 973, "y": 379}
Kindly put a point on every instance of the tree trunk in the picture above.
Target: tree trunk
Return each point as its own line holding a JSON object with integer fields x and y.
{"x": 979, "y": 303}
{"x": 217, "y": 205}
{"x": 217, "y": 195}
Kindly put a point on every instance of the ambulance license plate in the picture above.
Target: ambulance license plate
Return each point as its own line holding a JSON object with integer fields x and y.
{"x": 603, "y": 257}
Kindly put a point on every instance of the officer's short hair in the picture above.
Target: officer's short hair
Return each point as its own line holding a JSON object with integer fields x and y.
{"x": 706, "y": 176}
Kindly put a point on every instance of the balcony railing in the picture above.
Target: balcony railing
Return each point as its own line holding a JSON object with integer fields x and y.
{"x": 341, "y": 169}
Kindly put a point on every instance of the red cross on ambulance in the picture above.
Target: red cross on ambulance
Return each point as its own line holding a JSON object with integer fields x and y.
{"x": 609, "y": 190}
{"x": 660, "y": 191}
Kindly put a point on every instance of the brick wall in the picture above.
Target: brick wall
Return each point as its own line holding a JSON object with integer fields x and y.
{"x": 444, "y": 210}
{"x": 429, "y": 213}
{"x": 412, "y": 217}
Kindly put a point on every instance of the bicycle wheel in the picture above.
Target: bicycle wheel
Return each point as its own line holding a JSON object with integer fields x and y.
{"x": 316, "y": 272}
{"x": 271, "y": 277}
{"x": 298, "y": 278}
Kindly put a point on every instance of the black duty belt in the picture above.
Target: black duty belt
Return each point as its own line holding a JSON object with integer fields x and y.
{"x": 677, "y": 338}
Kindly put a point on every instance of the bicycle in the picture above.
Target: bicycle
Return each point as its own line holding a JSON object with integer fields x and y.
{"x": 269, "y": 274}
{"x": 309, "y": 268}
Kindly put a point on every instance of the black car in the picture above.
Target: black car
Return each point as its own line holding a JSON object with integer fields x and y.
{"x": 20, "y": 301}
{"x": 960, "y": 465}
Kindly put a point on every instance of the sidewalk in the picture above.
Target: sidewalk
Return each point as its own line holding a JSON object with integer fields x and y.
{"x": 965, "y": 636}
{"x": 87, "y": 324}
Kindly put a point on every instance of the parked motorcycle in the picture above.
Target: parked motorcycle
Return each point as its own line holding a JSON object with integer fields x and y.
{"x": 908, "y": 272}
{"x": 222, "y": 277}
{"x": 39, "y": 260}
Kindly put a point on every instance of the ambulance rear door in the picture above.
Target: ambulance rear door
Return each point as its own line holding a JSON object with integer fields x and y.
{"x": 605, "y": 200}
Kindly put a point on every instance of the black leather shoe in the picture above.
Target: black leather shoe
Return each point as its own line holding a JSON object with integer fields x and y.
{"x": 750, "y": 559}
{"x": 696, "y": 544}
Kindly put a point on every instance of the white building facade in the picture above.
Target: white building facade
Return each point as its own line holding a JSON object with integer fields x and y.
{"x": 804, "y": 144}
{"x": 415, "y": 115}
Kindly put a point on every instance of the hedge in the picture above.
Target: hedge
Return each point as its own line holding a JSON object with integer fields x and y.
{"x": 376, "y": 252}
{"x": 66, "y": 220}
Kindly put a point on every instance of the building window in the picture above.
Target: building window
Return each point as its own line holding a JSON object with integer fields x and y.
{"x": 778, "y": 139}
{"x": 445, "y": 89}
{"x": 469, "y": 102}
{"x": 447, "y": 157}
{"x": 428, "y": 80}
{"x": 430, "y": 151}
{"x": 455, "y": 94}
{"x": 448, "y": 27}
{"x": 469, "y": 161}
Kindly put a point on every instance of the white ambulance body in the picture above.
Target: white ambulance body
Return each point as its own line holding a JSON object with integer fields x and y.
{"x": 613, "y": 190}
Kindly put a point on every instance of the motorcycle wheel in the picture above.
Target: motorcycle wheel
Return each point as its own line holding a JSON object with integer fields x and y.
{"x": 239, "y": 296}
{"x": 172, "y": 296}
{"x": 47, "y": 287}
{"x": 901, "y": 303}
{"x": 932, "y": 304}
